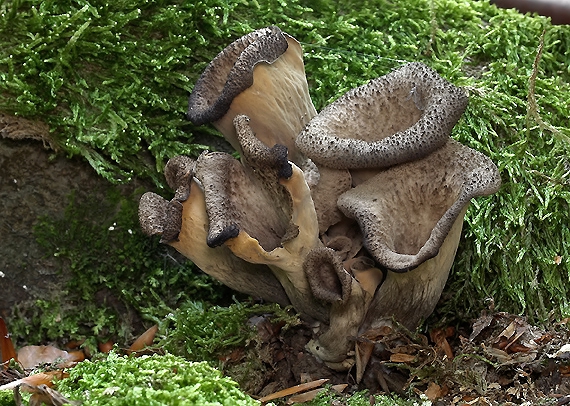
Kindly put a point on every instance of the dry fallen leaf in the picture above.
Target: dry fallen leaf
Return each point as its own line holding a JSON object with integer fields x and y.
{"x": 304, "y": 397}
{"x": 43, "y": 378}
{"x": 500, "y": 355}
{"x": 7, "y": 350}
{"x": 480, "y": 324}
{"x": 509, "y": 330}
{"x": 294, "y": 389}
{"x": 400, "y": 357}
{"x": 434, "y": 391}
{"x": 562, "y": 353}
{"x": 364, "y": 349}
{"x": 310, "y": 395}
{"x": 439, "y": 337}
{"x": 106, "y": 347}
{"x": 74, "y": 344}
{"x": 517, "y": 347}
{"x": 42, "y": 395}
{"x": 145, "y": 340}
{"x": 33, "y": 355}
{"x": 377, "y": 333}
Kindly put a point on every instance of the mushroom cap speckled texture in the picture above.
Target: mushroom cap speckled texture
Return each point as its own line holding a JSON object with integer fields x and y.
{"x": 262, "y": 76}
{"x": 396, "y": 118}
{"x": 231, "y": 72}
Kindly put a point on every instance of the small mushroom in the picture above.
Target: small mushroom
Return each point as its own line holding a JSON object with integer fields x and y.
{"x": 395, "y": 118}
{"x": 183, "y": 224}
{"x": 246, "y": 197}
{"x": 331, "y": 283}
{"x": 286, "y": 261}
{"x": 364, "y": 270}
{"x": 407, "y": 214}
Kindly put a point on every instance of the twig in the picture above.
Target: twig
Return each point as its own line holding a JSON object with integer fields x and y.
{"x": 532, "y": 109}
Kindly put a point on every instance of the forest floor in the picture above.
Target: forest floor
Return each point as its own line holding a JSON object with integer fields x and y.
{"x": 500, "y": 359}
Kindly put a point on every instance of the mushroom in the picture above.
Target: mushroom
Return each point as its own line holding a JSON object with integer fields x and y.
{"x": 285, "y": 257}
{"x": 353, "y": 215}
{"x": 246, "y": 197}
{"x": 331, "y": 283}
{"x": 183, "y": 224}
{"x": 396, "y": 118}
{"x": 262, "y": 76}
{"x": 411, "y": 217}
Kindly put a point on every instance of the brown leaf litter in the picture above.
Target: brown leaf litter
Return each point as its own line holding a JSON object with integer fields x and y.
{"x": 501, "y": 360}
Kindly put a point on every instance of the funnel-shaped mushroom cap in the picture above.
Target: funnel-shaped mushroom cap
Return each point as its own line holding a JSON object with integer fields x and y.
{"x": 262, "y": 76}
{"x": 235, "y": 201}
{"x": 405, "y": 212}
{"x": 231, "y": 72}
{"x": 396, "y": 118}
{"x": 183, "y": 224}
{"x": 329, "y": 281}
{"x": 246, "y": 197}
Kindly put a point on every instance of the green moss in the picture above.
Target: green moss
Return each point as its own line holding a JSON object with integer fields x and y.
{"x": 112, "y": 80}
{"x": 7, "y": 398}
{"x": 150, "y": 380}
{"x": 215, "y": 330}
{"x": 363, "y": 398}
{"x": 118, "y": 275}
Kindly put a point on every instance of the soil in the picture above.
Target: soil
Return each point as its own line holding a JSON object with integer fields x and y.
{"x": 34, "y": 183}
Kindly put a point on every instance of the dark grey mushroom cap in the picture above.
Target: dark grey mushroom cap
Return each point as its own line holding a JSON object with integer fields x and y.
{"x": 326, "y": 275}
{"x": 231, "y": 72}
{"x": 158, "y": 216}
{"x": 406, "y": 211}
{"x": 395, "y": 118}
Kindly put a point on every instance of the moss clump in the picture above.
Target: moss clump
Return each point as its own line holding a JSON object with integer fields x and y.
{"x": 150, "y": 380}
{"x": 363, "y": 398}
{"x": 112, "y": 81}
{"x": 7, "y": 398}
{"x": 215, "y": 330}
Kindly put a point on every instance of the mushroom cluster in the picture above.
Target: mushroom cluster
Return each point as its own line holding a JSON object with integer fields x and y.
{"x": 353, "y": 215}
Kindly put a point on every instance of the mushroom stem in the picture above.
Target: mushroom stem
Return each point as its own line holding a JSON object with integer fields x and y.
{"x": 334, "y": 345}
{"x": 410, "y": 297}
